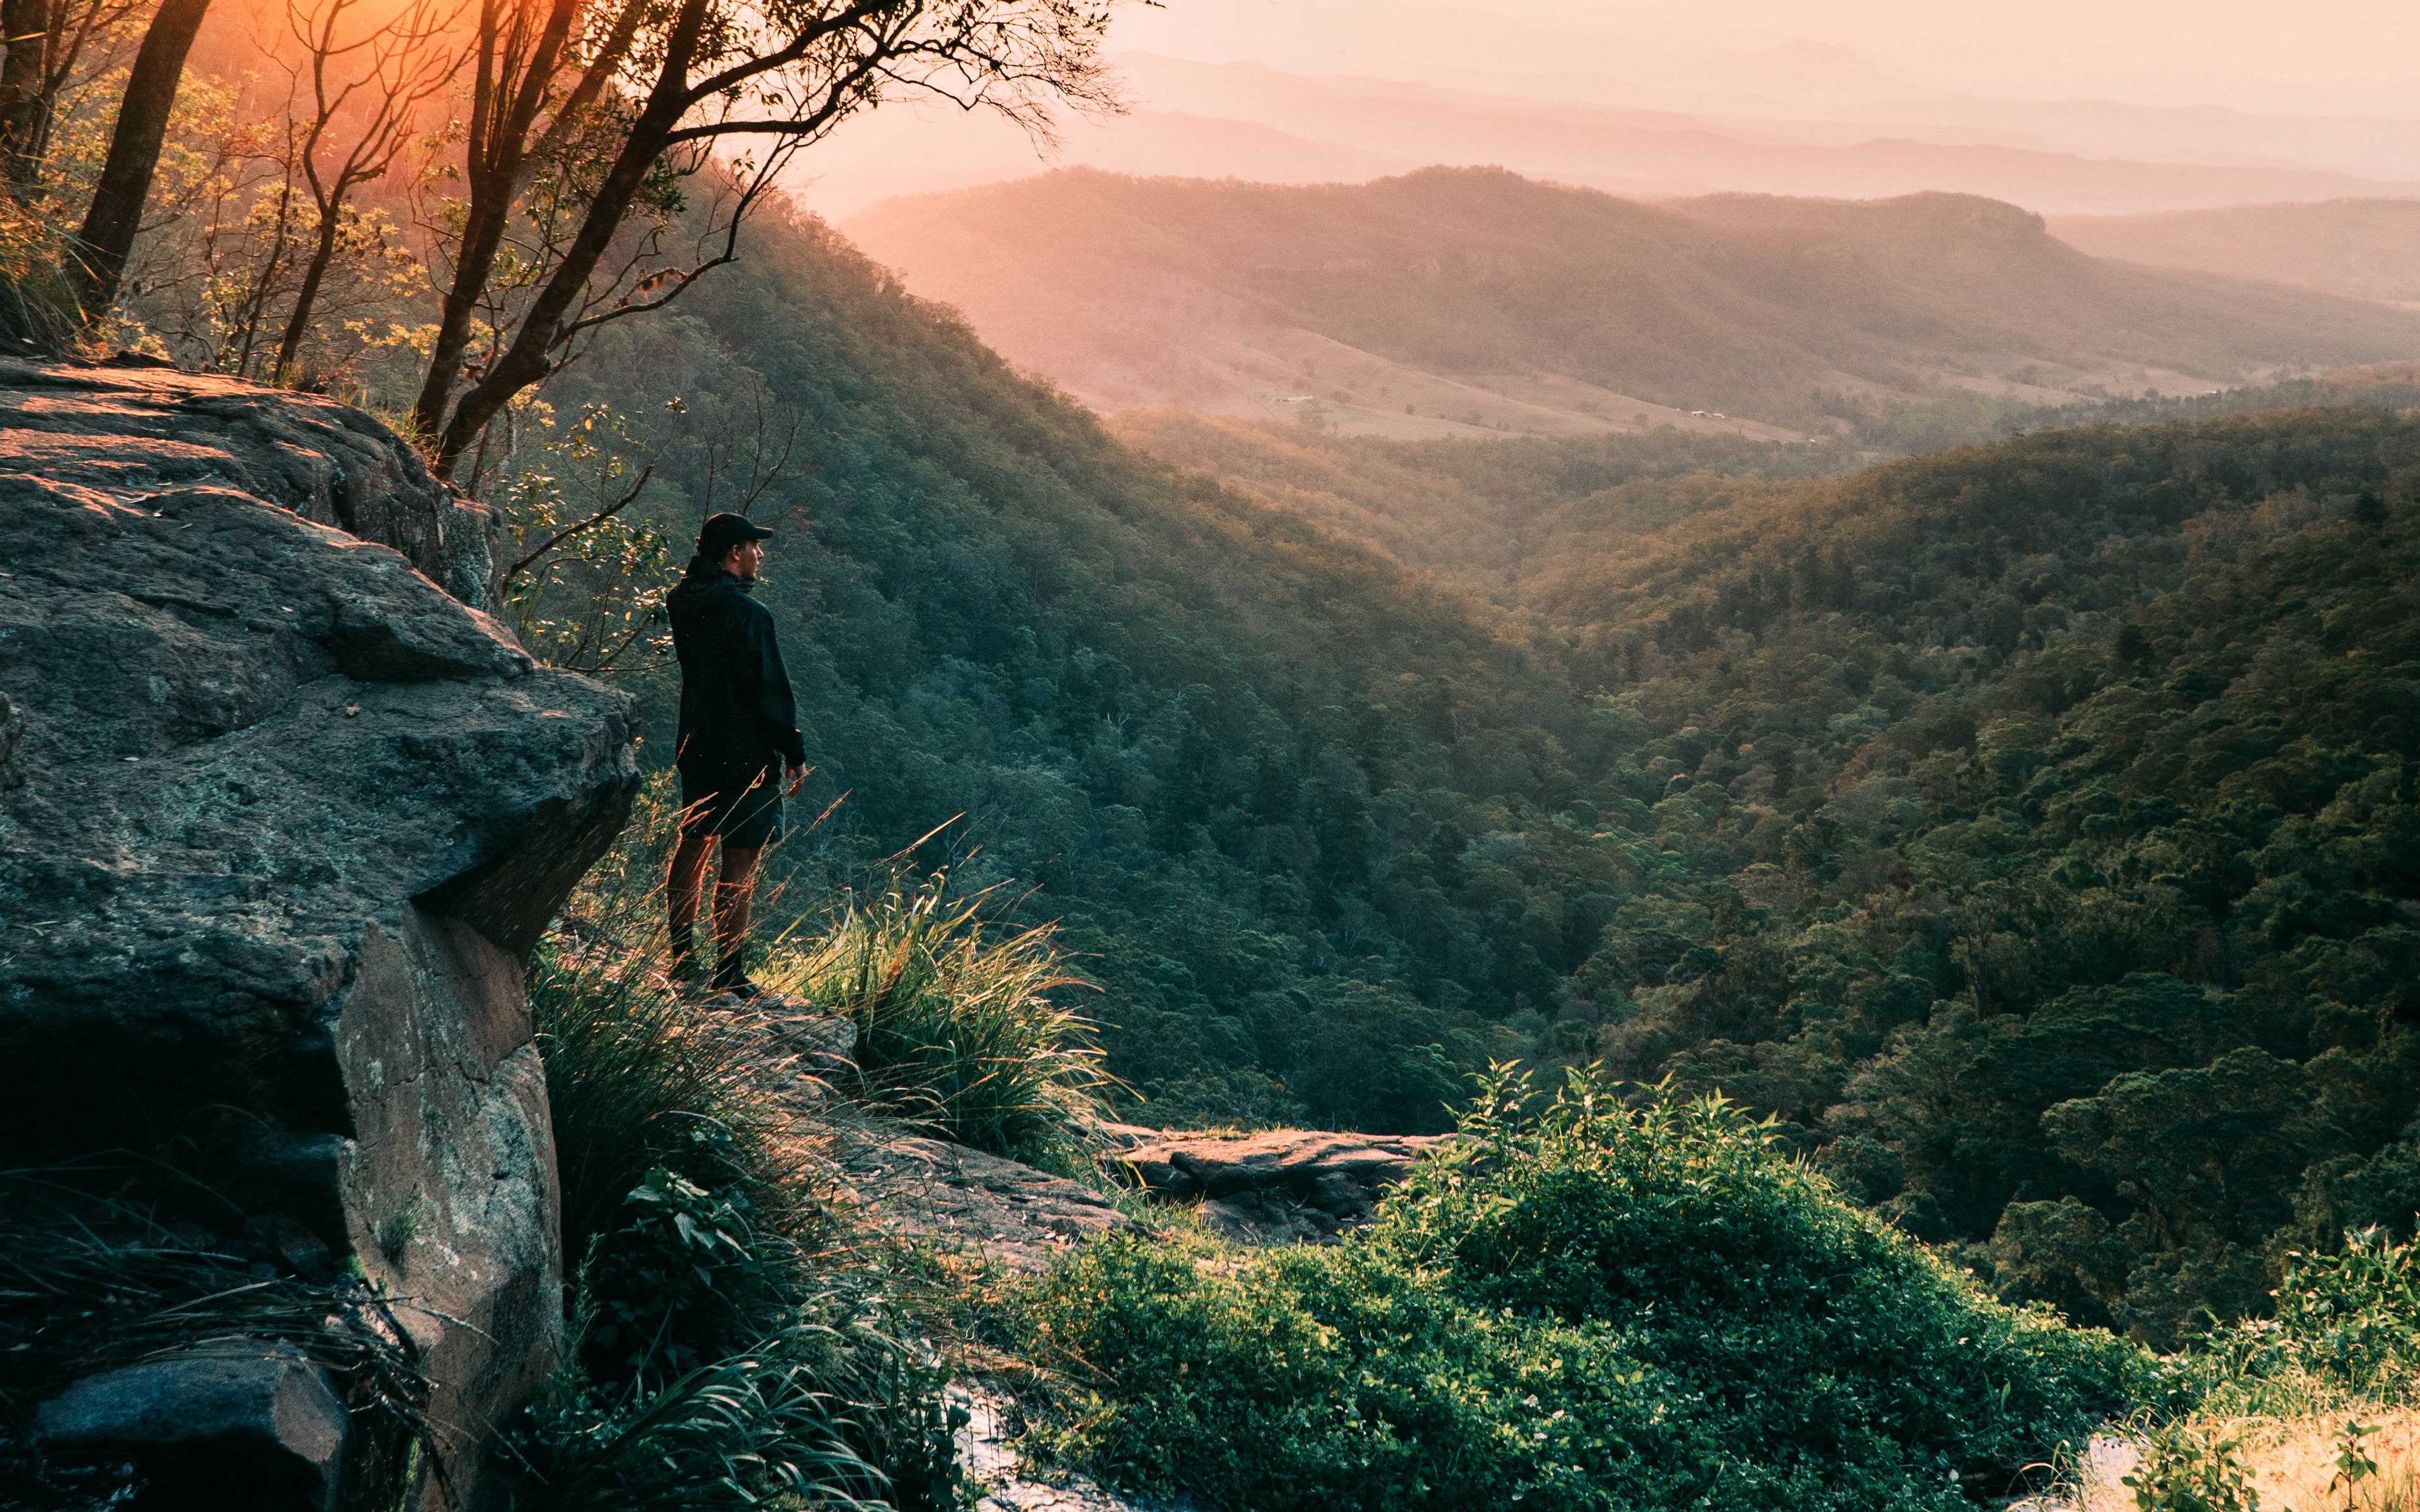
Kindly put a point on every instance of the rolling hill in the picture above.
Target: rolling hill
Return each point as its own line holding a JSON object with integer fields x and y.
{"x": 1473, "y": 299}
{"x": 2366, "y": 248}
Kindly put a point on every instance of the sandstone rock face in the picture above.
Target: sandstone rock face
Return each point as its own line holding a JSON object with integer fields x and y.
{"x": 1282, "y": 1185}
{"x": 279, "y": 821}
{"x": 134, "y": 430}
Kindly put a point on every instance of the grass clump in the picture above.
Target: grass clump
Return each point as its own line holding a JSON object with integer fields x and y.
{"x": 1584, "y": 1302}
{"x": 957, "y": 1029}
{"x": 724, "y": 1355}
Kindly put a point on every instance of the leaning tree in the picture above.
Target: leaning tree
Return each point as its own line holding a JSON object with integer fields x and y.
{"x": 587, "y": 118}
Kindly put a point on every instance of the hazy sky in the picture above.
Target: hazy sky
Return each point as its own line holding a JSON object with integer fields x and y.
{"x": 2353, "y": 55}
{"x": 2317, "y": 82}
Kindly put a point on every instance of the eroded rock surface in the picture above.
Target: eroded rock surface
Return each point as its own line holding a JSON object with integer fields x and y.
{"x": 1281, "y": 1185}
{"x": 237, "y": 1423}
{"x": 934, "y": 1192}
{"x": 279, "y": 821}
{"x": 134, "y": 430}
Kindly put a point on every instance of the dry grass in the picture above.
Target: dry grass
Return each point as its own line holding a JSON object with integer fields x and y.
{"x": 2293, "y": 1464}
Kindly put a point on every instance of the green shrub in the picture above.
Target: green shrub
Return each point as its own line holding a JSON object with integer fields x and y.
{"x": 957, "y": 1029}
{"x": 2183, "y": 1466}
{"x": 1586, "y": 1304}
{"x": 2345, "y": 1331}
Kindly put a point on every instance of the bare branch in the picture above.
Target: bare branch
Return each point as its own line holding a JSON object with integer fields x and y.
{"x": 591, "y": 522}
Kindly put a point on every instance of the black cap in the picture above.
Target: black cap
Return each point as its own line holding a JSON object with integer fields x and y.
{"x": 722, "y": 532}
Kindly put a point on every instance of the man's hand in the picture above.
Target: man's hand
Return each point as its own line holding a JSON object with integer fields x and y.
{"x": 797, "y": 780}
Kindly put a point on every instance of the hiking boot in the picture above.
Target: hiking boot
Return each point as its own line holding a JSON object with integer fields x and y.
{"x": 731, "y": 975}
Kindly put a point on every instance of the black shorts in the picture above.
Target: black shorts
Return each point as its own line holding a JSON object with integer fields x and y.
{"x": 742, "y": 807}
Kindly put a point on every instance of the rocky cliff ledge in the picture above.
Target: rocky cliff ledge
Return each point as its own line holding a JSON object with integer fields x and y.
{"x": 280, "y": 819}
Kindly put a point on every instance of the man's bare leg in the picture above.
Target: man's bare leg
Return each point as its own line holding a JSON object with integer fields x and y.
{"x": 735, "y": 897}
{"x": 683, "y": 890}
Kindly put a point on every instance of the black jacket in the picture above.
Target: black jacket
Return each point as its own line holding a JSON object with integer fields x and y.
{"x": 737, "y": 711}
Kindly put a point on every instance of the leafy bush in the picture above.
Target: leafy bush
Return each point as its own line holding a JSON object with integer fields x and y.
{"x": 956, "y": 1029}
{"x": 2344, "y": 1333}
{"x": 2183, "y": 1466}
{"x": 1583, "y": 1303}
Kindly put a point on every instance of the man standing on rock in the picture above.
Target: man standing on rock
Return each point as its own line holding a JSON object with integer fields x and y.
{"x": 738, "y": 729}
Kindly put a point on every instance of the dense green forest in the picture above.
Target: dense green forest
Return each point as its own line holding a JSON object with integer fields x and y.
{"x": 2032, "y": 825}
{"x": 2027, "y": 825}
{"x": 1204, "y": 727}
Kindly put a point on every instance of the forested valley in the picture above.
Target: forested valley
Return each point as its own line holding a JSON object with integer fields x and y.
{"x": 2026, "y": 824}
{"x": 1382, "y": 912}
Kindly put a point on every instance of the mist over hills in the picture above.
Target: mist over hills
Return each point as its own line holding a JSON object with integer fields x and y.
{"x": 1467, "y": 300}
{"x": 2052, "y": 159}
{"x": 2366, "y": 248}
{"x": 1641, "y": 139}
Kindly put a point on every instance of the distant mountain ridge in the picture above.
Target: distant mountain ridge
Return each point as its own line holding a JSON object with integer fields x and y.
{"x": 1474, "y": 299}
{"x": 1643, "y": 140}
{"x": 2366, "y": 248}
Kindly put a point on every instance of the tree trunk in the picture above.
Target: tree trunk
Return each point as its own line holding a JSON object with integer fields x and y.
{"x": 526, "y": 359}
{"x": 116, "y": 211}
{"x": 22, "y": 102}
{"x": 483, "y": 231}
{"x": 323, "y": 253}
{"x": 504, "y": 107}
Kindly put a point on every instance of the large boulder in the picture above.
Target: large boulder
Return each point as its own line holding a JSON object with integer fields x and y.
{"x": 280, "y": 820}
{"x": 232, "y": 1424}
{"x": 132, "y": 427}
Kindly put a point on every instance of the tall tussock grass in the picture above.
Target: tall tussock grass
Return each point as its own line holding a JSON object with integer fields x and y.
{"x": 721, "y": 1357}
{"x": 957, "y": 1029}
{"x": 636, "y": 1077}
{"x": 724, "y": 1354}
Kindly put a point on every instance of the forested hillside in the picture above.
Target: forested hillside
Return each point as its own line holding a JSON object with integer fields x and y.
{"x": 1232, "y": 749}
{"x": 1233, "y": 298}
{"x": 2032, "y": 824}
{"x": 2027, "y": 825}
